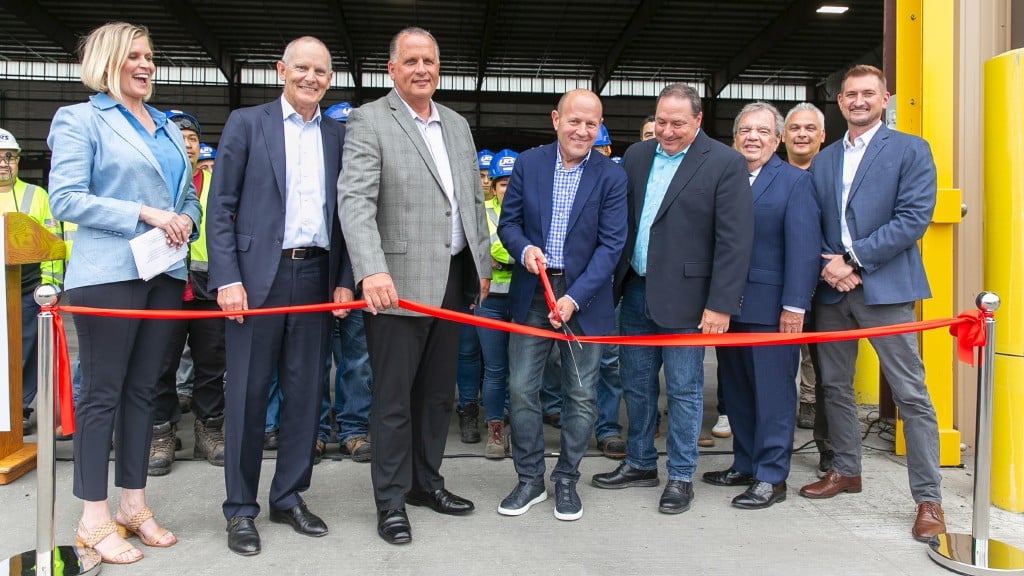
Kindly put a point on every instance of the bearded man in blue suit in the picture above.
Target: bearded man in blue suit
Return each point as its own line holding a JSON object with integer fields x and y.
{"x": 876, "y": 188}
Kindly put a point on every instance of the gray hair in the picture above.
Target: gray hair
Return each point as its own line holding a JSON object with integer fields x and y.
{"x": 757, "y": 107}
{"x": 810, "y": 108}
{"x": 684, "y": 92}
{"x": 415, "y": 31}
{"x": 289, "y": 50}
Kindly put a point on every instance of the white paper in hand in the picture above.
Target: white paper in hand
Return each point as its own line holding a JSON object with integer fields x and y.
{"x": 152, "y": 254}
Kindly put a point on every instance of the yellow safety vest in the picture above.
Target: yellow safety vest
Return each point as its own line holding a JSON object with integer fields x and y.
{"x": 198, "y": 257}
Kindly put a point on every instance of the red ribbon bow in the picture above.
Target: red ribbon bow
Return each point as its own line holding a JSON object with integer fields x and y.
{"x": 969, "y": 331}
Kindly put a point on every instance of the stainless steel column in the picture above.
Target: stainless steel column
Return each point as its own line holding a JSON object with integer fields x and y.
{"x": 48, "y": 559}
{"x": 976, "y": 553}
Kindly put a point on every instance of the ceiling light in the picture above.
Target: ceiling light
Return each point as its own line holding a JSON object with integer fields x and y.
{"x": 828, "y": 9}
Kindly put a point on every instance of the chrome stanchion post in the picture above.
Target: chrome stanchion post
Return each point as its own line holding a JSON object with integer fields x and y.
{"x": 976, "y": 553}
{"x": 48, "y": 559}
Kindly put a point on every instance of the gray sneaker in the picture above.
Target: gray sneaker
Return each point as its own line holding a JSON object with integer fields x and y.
{"x": 567, "y": 501}
{"x": 521, "y": 498}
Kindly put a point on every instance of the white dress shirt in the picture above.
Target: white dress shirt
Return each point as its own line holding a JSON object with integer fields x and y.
{"x": 305, "y": 213}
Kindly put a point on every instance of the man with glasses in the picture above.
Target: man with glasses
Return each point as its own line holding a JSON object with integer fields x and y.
{"x": 33, "y": 201}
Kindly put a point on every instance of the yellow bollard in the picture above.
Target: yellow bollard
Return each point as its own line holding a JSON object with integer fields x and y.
{"x": 1004, "y": 268}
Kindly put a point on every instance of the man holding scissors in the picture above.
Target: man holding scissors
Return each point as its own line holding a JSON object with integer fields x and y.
{"x": 564, "y": 217}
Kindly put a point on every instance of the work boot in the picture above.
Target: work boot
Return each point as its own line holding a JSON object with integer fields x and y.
{"x": 805, "y": 416}
{"x": 210, "y": 440}
{"x": 161, "y": 449}
{"x": 468, "y": 421}
{"x": 496, "y": 440}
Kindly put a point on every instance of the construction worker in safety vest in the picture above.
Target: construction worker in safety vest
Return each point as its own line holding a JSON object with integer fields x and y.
{"x": 207, "y": 157}
{"x": 494, "y": 343}
{"x": 33, "y": 201}
{"x": 206, "y": 340}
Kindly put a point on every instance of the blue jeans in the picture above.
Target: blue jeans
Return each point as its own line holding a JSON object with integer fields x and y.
{"x": 609, "y": 392}
{"x": 551, "y": 391}
{"x": 467, "y": 378}
{"x": 494, "y": 346}
{"x": 684, "y": 389}
{"x": 527, "y": 356}
{"x": 273, "y": 404}
{"x": 352, "y": 380}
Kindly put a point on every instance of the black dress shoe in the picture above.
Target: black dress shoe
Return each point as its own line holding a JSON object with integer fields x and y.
{"x": 300, "y": 519}
{"x": 625, "y": 476}
{"x": 243, "y": 538}
{"x": 393, "y": 526}
{"x": 728, "y": 477}
{"x": 760, "y": 495}
{"x": 676, "y": 498}
{"x": 441, "y": 500}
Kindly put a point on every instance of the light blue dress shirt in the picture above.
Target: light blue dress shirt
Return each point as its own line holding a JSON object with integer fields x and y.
{"x": 663, "y": 169}
{"x": 305, "y": 221}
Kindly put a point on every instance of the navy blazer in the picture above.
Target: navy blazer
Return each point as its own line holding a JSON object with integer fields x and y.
{"x": 699, "y": 249}
{"x": 888, "y": 210}
{"x": 594, "y": 238}
{"x": 785, "y": 261}
{"x": 246, "y": 208}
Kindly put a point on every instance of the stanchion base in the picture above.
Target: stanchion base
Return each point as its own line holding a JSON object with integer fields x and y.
{"x": 962, "y": 553}
{"x": 67, "y": 562}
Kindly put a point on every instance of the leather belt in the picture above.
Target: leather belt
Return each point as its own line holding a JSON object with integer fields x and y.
{"x": 502, "y": 266}
{"x": 303, "y": 253}
{"x": 556, "y": 272}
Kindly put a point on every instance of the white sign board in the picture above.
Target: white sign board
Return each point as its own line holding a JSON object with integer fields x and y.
{"x": 5, "y": 372}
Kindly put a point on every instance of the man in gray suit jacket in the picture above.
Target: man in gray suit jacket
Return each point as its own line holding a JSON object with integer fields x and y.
{"x": 409, "y": 199}
{"x": 876, "y": 189}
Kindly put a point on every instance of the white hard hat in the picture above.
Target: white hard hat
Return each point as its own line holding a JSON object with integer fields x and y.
{"x": 7, "y": 141}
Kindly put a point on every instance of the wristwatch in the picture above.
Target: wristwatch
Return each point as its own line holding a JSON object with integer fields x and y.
{"x": 850, "y": 261}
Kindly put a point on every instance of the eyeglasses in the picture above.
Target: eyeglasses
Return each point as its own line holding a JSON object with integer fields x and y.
{"x": 9, "y": 158}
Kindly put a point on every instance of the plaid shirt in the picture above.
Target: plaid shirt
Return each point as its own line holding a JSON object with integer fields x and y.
{"x": 567, "y": 180}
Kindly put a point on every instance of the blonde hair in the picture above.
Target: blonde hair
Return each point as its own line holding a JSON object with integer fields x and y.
{"x": 105, "y": 51}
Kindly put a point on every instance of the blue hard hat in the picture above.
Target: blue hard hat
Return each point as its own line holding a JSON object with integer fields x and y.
{"x": 339, "y": 111}
{"x": 603, "y": 139}
{"x": 617, "y": 159}
{"x": 184, "y": 121}
{"x": 502, "y": 164}
{"x": 483, "y": 159}
{"x": 207, "y": 152}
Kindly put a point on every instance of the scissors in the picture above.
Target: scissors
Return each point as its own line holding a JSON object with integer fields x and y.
{"x": 549, "y": 296}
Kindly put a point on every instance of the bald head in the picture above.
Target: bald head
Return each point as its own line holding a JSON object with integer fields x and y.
{"x": 576, "y": 121}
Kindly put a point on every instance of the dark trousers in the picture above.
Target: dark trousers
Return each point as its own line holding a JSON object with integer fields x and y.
{"x": 29, "y": 348}
{"x": 206, "y": 338}
{"x": 296, "y": 344}
{"x": 414, "y": 361}
{"x": 758, "y": 382}
{"x": 121, "y": 360}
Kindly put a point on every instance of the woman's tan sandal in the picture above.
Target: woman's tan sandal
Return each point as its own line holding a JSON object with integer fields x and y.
{"x": 123, "y": 554}
{"x": 132, "y": 526}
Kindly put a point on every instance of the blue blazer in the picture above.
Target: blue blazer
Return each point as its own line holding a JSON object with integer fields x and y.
{"x": 785, "y": 261}
{"x": 101, "y": 174}
{"x": 246, "y": 208}
{"x": 699, "y": 249}
{"x": 593, "y": 241}
{"x": 888, "y": 209}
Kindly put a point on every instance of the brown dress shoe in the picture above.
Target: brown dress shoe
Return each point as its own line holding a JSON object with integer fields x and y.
{"x": 705, "y": 441}
{"x": 930, "y": 521}
{"x": 831, "y": 484}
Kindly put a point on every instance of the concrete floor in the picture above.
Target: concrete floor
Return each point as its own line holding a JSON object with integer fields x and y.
{"x": 621, "y": 532}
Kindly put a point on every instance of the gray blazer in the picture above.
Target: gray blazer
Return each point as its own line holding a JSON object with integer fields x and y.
{"x": 394, "y": 213}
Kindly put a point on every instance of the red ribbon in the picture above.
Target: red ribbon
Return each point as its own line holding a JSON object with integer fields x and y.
{"x": 969, "y": 333}
{"x": 967, "y": 327}
{"x": 62, "y": 368}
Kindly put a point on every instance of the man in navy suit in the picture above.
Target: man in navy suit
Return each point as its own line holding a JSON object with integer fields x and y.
{"x": 876, "y": 188}
{"x": 784, "y": 265}
{"x": 275, "y": 240}
{"x": 683, "y": 270}
{"x": 565, "y": 210}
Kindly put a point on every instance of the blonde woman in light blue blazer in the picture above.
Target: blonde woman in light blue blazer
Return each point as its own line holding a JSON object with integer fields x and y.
{"x": 119, "y": 169}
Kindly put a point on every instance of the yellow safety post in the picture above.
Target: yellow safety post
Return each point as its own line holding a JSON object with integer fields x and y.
{"x": 1004, "y": 268}
{"x": 925, "y": 89}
